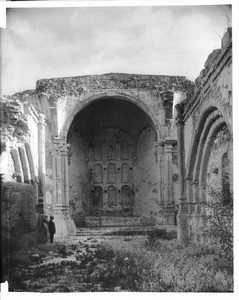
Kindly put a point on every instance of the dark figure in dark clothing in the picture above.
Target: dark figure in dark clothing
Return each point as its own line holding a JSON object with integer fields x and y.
{"x": 51, "y": 228}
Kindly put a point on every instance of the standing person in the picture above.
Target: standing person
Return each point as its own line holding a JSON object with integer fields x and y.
{"x": 51, "y": 228}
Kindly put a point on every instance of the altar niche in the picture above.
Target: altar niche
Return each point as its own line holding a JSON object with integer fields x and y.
{"x": 112, "y": 145}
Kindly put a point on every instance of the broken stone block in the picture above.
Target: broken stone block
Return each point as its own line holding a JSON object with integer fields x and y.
{"x": 35, "y": 257}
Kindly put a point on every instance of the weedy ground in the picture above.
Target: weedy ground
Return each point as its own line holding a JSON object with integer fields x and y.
{"x": 154, "y": 262}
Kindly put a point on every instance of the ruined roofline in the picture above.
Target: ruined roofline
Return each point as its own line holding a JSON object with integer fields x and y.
{"x": 75, "y": 86}
{"x": 213, "y": 65}
{"x": 19, "y": 95}
{"x": 112, "y": 75}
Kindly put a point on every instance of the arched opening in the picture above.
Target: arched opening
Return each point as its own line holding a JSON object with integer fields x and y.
{"x": 112, "y": 143}
{"x": 209, "y": 169}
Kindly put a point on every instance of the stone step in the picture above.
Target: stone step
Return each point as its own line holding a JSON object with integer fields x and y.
{"x": 112, "y": 221}
{"x": 98, "y": 231}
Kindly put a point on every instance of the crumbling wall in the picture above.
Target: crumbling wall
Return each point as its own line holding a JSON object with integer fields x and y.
{"x": 14, "y": 133}
{"x": 208, "y": 136}
{"x": 18, "y": 168}
{"x": 19, "y": 219}
{"x": 155, "y": 92}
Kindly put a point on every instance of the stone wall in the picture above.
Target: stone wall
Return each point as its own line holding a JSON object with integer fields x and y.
{"x": 19, "y": 218}
{"x": 206, "y": 155}
{"x": 19, "y": 168}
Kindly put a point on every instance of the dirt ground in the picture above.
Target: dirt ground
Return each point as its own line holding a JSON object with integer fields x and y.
{"x": 68, "y": 265}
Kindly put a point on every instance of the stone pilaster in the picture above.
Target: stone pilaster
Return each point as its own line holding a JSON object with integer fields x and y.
{"x": 182, "y": 217}
{"x": 160, "y": 159}
{"x": 168, "y": 176}
{"x": 41, "y": 205}
{"x": 64, "y": 224}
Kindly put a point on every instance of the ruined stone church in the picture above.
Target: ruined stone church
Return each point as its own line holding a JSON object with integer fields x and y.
{"x": 117, "y": 150}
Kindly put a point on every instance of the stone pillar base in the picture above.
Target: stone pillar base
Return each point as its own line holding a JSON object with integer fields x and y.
{"x": 64, "y": 225}
{"x": 182, "y": 228}
{"x": 182, "y": 221}
{"x": 64, "y": 228}
{"x": 169, "y": 215}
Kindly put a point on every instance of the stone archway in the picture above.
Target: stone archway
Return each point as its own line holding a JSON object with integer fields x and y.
{"x": 204, "y": 169}
{"x": 114, "y": 96}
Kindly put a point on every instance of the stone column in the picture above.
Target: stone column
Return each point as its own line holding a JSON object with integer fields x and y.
{"x": 182, "y": 218}
{"x": 41, "y": 205}
{"x": 168, "y": 176}
{"x": 64, "y": 224}
{"x": 160, "y": 159}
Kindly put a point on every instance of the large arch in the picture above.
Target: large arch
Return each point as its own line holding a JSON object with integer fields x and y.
{"x": 109, "y": 122}
{"x": 210, "y": 111}
{"x": 115, "y": 96}
{"x": 208, "y": 125}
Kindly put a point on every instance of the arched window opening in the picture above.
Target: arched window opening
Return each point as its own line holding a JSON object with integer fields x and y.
{"x": 98, "y": 174}
{"x": 112, "y": 201}
{"x": 125, "y": 173}
{"x": 111, "y": 173}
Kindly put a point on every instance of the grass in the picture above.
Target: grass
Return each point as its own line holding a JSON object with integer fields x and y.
{"x": 170, "y": 266}
{"x": 153, "y": 263}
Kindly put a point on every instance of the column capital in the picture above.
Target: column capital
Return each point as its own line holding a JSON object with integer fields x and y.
{"x": 165, "y": 144}
{"x": 168, "y": 145}
{"x": 61, "y": 145}
{"x": 170, "y": 142}
{"x": 195, "y": 182}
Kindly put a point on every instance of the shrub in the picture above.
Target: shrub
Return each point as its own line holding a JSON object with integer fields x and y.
{"x": 219, "y": 223}
{"x": 120, "y": 269}
{"x": 159, "y": 233}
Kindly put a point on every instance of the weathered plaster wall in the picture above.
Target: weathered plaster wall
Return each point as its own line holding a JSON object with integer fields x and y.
{"x": 146, "y": 177}
{"x": 78, "y": 177}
